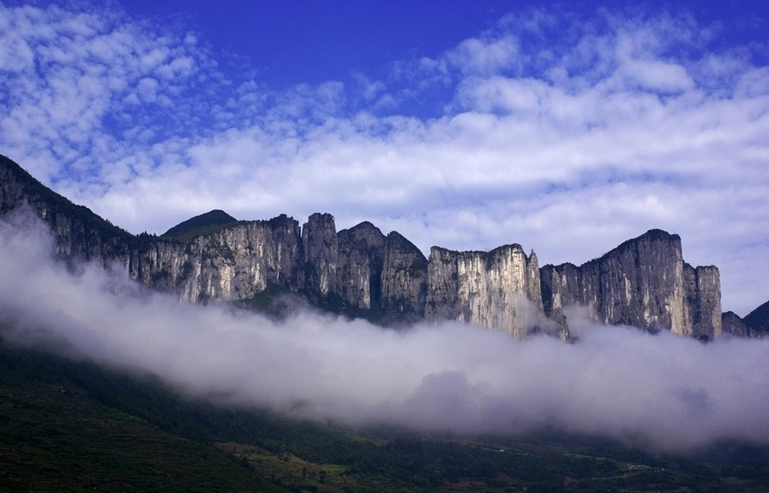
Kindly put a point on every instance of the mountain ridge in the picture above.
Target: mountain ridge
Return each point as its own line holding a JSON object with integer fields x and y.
{"x": 643, "y": 282}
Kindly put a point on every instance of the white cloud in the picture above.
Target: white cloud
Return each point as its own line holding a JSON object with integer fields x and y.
{"x": 661, "y": 392}
{"x": 484, "y": 57}
{"x": 67, "y": 74}
{"x": 148, "y": 88}
{"x": 657, "y": 76}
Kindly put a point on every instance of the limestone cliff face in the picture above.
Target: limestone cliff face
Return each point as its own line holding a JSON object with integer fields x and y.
{"x": 234, "y": 263}
{"x": 644, "y": 282}
{"x": 321, "y": 255}
{"x": 404, "y": 277}
{"x": 362, "y": 249}
{"x": 497, "y": 289}
{"x": 702, "y": 310}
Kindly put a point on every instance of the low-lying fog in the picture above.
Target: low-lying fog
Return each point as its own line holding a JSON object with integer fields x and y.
{"x": 660, "y": 390}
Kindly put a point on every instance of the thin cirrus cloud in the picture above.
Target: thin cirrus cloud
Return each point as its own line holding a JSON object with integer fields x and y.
{"x": 659, "y": 392}
{"x": 565, "y": 133}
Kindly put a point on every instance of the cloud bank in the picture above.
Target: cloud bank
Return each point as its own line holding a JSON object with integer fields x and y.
{"x": 659, "y": 391}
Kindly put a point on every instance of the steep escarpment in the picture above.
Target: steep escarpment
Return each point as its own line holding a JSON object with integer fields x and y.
{"x": 321, "y": 256}
{"x": 499, "y": 289}
{"x": 360, "y": 275}
{"x": 404, "y": 277}
{"x": 80, "y": 234}
{"x": 643, "y": 282}
{"x": 234, "y": 263}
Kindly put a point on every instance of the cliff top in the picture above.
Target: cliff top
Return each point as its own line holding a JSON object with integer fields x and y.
{"x": 653, "y": 235}
{"x": 513, "y": 246}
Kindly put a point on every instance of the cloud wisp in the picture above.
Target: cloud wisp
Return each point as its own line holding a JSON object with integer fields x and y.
{"x": 658, "y": 391}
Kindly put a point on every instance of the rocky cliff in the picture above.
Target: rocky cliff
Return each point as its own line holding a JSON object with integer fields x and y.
{"x": 643, "y": 282}
{"x": 499, "y": 289}
{"x": 79, "y": 232}
{"x": 233, "y": 263}
{"x": 360, "y": 275}
{"x": 404, "y": 277}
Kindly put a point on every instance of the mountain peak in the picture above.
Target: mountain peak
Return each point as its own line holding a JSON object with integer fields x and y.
{"x": 201, "y": 224}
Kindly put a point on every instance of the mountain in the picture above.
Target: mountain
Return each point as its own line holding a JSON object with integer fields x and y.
{"x": 79, "y": 232}
{"x": 200, "y": 225}
{"x": 755, "y": 323}
{"x": 644, "y": 282}
{"x": 758, "y": 319}
{"x": 363, "y": 272}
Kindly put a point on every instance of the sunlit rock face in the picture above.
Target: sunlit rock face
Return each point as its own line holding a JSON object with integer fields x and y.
{"x": 496, "y": 289}
{"x": 644, "y": 282}
{"x": 234, "y": 263}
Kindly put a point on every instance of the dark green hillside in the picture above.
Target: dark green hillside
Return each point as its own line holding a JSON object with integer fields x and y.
{"x": 204, "y": 224}
{"x": 56, "y": 435}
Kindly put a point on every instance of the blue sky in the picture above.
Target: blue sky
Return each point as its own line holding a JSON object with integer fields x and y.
{"x": 312, "y": 42}
{"x": 566, "y": 129}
